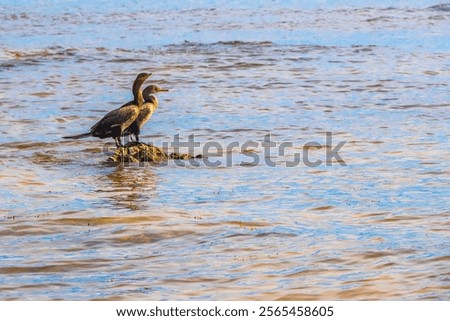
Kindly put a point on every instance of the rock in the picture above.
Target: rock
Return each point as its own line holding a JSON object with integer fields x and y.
{"x": 180, "y": 156}
{"x": 134, "y": 152}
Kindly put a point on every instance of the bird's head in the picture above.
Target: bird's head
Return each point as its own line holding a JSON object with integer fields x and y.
{"x": 142, "y": 77}
{"x": 152, "y": 89}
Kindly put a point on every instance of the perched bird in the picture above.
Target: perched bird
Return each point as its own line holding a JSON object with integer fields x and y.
{"x": 114, "y": 123}
{"x": 147, "y": 110}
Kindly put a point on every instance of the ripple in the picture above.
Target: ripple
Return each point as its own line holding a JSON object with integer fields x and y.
{"x": 75, "y": 228}
{"x": 445, "y": 7}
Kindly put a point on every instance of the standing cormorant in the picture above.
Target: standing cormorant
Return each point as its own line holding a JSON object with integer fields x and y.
{"x": 114, "y": 123}
{"x": 147, "y": 110}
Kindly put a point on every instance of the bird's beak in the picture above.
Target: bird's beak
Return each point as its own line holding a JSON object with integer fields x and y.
{"x": 163, "y": 89}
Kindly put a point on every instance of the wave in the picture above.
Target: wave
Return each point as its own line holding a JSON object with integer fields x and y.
{"x": 55, "y": 51}
{"x": 440, "y": 7}
{"x": 13, "y": 57}
{"x": 10, "y": 58}
{"x": 232, "y": 43}
{"x": 244, "y": 43}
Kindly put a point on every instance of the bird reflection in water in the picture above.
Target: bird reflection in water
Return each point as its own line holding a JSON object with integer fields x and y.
{"x": 129, "y": 187}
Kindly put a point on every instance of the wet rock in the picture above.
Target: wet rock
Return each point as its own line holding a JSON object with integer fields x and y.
{"x": 134, "y": 152}
{"x": 180, "y": 156}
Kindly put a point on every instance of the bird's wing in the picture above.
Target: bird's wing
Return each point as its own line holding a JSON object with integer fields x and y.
{"x": 122, "y": 116}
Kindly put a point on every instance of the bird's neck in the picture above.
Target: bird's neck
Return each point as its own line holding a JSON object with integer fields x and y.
{"x": 137, "y": 93}
{"x": 152, "y": 99}
{"x": 140, "y": 99}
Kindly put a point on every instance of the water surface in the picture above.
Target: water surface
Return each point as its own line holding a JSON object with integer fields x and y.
{"x": 374, "y": 74}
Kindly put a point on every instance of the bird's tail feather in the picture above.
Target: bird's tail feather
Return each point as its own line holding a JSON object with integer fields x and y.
{"x": 78, "y": 136}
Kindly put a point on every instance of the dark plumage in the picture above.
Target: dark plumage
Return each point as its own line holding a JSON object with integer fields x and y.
{"x": 114, "y": 123}
{"x": 147, "y": 110}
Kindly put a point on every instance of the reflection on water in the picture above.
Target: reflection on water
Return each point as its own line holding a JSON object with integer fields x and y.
{"x": 73, "y": 227}
{"x": 128, "y": 188}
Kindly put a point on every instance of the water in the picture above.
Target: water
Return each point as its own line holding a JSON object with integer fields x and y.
{"x": 375, "y": 74}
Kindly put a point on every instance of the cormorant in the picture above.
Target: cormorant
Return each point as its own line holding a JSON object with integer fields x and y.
{"x": 114, "y": 123}
{"x": 147, "y": 110}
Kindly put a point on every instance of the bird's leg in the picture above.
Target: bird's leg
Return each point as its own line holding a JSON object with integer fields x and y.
{"x": 137, "y": 139}
{"x": 116, "y": 132}
{"x": 118, "y": 142}
{"x": 127, "y": 145}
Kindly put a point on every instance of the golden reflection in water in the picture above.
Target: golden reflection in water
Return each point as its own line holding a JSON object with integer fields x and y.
{"x": 128, "y": 187}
